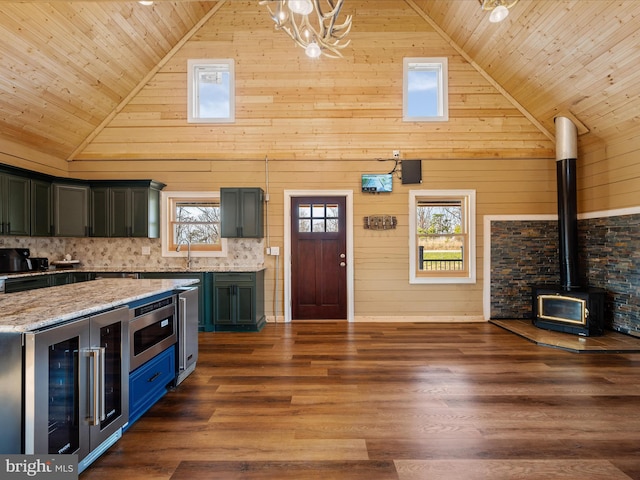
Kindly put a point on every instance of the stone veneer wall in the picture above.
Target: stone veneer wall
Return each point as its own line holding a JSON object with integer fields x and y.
{"x": 525, "y": 253}
{"x": 126, "y": 253}
{"x": 610, "y": 255}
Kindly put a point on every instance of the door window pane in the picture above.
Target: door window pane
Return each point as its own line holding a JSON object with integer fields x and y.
{"x": 304, "y": 211}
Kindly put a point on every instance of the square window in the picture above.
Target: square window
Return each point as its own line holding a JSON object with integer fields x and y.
{"x": 211, "y": 91}
{"x": 425, "y": 90}
{"x": 193, "y": 219}
{"x": 442, "y": 236}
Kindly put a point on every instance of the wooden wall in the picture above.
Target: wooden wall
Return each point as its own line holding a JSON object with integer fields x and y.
{"x": 322, "y": 123}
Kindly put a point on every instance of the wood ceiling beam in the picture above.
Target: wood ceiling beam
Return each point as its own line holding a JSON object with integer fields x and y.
{"x": 480, "y": 70}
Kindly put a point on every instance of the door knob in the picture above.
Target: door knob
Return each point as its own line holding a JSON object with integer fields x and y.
{"x": 342, "y": 255}
{"x": 343, "y": 264}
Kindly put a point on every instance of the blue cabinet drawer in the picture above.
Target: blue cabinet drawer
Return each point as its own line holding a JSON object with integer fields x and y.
{"x": 148, "y": 383}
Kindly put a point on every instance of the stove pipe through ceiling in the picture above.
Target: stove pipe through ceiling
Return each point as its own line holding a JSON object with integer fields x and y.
{"x": 566, "y": 157}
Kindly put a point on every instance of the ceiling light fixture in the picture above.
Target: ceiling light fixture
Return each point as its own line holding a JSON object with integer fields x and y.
{"x": 499, "y": 8}
{"x": 145, "y": 2}
{"x": 323, "y": 37}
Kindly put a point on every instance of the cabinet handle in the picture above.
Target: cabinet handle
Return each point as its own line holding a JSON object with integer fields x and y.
{"x": 98, "y": 372}
{"x": 9, "y": 227}
{"x": 183, "y": 321}
{"x": 153, "y": 377}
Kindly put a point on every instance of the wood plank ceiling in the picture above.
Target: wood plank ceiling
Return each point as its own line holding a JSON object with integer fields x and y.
{"x": 66, "y": 67}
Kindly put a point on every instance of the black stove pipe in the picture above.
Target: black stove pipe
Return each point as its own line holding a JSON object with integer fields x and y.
{"x": 566, "y": 157}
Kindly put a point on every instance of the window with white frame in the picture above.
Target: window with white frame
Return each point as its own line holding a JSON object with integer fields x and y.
{"x": 211, "y": 91}
{"x": 442, "y": 236}
{"x": 192, "y": 219}
{"x": 425, "y": 90}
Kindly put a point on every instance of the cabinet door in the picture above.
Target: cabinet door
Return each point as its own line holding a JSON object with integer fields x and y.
{"x": 251, "y": 211}
{"x": 143, "y": 221}
{"x": 224, "y": 304}
{"x": 241, "y": 212}
{"x": 120, "y": 215}
{"x": 15, "y": 203}
{"x": 59, "y": 279}
{"x": 41, "y": 209}
{"x": 245, "y": 304}
{"x": 70, "y": 210}
{"x": 230, "y": 212}
{"x": 99, "y": 212}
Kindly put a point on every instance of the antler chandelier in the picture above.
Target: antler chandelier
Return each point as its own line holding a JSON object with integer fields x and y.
{"x": 318, "y": 36}
{"x": 499, "y": 8}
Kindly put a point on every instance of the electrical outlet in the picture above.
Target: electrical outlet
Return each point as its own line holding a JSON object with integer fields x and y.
{"x": 273, "y": 251}
{"x": 396, "y": 154}
{"x": 146, "y": 250}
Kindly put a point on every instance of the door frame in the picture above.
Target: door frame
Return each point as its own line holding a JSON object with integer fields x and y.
{"x": 288, "y": 195}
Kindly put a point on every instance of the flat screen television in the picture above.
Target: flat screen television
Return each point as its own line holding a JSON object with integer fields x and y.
{"x": 377, "y": 182}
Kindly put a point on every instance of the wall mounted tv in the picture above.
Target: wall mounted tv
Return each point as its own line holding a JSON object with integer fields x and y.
{"x": 377, "y": 182}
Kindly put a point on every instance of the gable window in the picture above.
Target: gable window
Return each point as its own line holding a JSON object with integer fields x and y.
{"x": 211, "y": 91}
{"x": 442, "y": 242}
{"x": 425, "y": 90}
{"x": 193, "y": 220}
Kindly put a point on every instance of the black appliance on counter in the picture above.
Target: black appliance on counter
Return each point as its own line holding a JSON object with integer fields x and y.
{"x": 15, "y": 260}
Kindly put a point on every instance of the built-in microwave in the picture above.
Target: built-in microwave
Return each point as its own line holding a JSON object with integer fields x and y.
{"x": 153, "y": 328}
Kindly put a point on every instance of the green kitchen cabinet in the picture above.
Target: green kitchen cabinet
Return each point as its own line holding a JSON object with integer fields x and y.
{"x": 125, "y": 209}
{"x": 15, "y": 205}
{"x": 242, "y": 212}
{"x": 238, "y": 301}
{"x": 205, "y": 321}
{"x": 41, "y": 208}
{"x": 71, "y": 209}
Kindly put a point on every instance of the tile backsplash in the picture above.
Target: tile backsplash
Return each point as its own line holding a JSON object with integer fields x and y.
{"x": 126, "y": 253}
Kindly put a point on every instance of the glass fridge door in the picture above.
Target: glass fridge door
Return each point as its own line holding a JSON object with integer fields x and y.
{"x": 64, "y": 402}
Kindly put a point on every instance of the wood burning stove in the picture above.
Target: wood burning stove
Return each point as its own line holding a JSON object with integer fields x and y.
{"x": 568, "y": 307}
{"x": 580, "y": 311}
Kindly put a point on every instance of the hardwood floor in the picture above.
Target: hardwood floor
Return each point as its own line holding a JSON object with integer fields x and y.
{"x": 388, "y": 401}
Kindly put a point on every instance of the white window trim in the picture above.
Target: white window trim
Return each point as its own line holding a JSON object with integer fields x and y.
{"x": 414, "y": 195}
{"x": 191, "y": 78}
{"x": 443, "y": 91}
{"x": 165, "y": 212}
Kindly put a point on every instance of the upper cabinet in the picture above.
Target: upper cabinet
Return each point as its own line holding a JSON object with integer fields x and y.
{"x": 71, "y": 209}
{"x": 242, "y": 212}
{"x": 15, "y": 205}
{"x": 125, "y": 208}
{"x": 37, "y": 204}
{"x": 41, "y": 208}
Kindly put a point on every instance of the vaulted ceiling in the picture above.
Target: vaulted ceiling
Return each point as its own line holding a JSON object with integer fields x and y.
{"x": 68, "y": 67}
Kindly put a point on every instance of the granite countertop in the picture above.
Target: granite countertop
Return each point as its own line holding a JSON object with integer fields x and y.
{"x": 34, "y": 309}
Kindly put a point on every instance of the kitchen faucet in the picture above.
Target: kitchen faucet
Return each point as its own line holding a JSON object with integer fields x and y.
{"x": 188, "y": 242}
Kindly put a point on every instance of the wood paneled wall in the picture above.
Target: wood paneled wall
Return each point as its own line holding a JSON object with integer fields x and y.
{"x": 322, "y": 124}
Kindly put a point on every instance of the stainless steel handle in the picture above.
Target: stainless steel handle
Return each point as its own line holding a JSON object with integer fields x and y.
{"x": 97, "y": 355}
{"x": 103, "y": 383}
{"x": 183, "y": 330}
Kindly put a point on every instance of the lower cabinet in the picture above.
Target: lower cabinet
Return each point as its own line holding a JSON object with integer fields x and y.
{"x": 238, "y": 301}
{"x": 148, "y": 383}
{"x": 22, "y": 284}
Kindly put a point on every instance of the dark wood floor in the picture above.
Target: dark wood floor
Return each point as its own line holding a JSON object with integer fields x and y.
{"x": 388, "y": 401}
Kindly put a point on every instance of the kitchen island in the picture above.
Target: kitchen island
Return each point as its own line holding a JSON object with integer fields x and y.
{"x": 71, "y": 354}
{"x": 35, "y": 309}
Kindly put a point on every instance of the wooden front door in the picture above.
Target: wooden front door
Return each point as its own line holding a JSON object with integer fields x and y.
{"x": 318, "y": 258}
